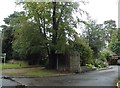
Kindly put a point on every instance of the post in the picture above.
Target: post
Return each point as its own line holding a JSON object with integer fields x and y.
{"x": 57, "y": 62}
{"x": 4, "y": 58}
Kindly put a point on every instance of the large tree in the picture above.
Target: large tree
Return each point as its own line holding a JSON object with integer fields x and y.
{"x": 115, "y": 42}
{"x": 109, "y": 27}
{"x": 28, "y": 43}
{"x": 56, "y": 22}
{"x": 94, "y": 35}
{"x": 8, "y": 35}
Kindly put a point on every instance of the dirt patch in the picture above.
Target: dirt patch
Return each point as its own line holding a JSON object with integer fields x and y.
{"x": 32, "y": 72}
{"x": 18, "y": 72}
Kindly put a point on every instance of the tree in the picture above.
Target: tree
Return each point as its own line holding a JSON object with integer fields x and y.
{"x": 29, "y": 44}
{"x": 115, "y": 42}
{"x": 94, "y": 35}
{"x": 8, "y": 35}
{"x": 56, "y": 22}
{"x": 109, "y": 26}
{"x": 86, "y": 53}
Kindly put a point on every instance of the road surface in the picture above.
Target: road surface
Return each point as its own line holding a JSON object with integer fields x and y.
{"x": 94, "y": 78}
{"x": 7, "y": 82}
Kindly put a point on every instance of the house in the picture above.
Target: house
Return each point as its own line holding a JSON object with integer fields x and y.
{"x": 114, "y": 60}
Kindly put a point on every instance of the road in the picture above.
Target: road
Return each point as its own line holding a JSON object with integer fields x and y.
{"x": 94, "y": 78}
{"x": 7, "y": 82}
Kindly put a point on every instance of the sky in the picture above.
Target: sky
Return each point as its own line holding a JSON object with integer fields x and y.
{"x": 102, "y": 10}
{"x": 99, "y": 10}
{"x": 7, "y": 7}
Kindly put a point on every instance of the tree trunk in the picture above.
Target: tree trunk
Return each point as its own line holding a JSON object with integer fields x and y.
{"x": 55, "y": 25}
{"x": 52, "y": 60}
{"x": 52, "y": 55}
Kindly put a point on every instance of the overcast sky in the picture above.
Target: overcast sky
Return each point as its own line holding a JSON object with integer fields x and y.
{"x": 102, "y": 10}
{"x": 99, "y": 10}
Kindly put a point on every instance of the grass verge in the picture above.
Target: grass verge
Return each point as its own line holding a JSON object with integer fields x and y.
{"x": 23, "y": 69}
{"x": 31, "y": 72}
{"x": 13, "y": 65}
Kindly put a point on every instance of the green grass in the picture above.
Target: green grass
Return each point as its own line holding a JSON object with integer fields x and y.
{"x": 31, "y": 72}
{"x": 18, "y": 69}
{"x": 41, "y": 73}
{"x": 13, "y": 65}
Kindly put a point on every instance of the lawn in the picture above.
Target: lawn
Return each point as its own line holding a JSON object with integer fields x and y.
{"x": 15, "y": 65}
{"x": 19, "y": 69}
{"x": 31, "y": 72}
{"x": 40, "y": 73}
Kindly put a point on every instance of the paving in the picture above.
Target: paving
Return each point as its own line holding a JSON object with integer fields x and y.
{"x": 94, "y": 78}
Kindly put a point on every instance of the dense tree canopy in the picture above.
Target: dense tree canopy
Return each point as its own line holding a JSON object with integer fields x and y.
{"x": 43, "y": 30}
{"x": 8, "y": 35}
{"x": 86, "y": 53}
{"x": 115, "y": 42}
{"x": 109, "y": 27}
{"x": 98, "y": 35}
{"x": 94, "y": 35}
{"x": 54, "y": 22}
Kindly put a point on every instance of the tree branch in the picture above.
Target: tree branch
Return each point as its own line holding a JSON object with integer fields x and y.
{"x": 58, "y": 21}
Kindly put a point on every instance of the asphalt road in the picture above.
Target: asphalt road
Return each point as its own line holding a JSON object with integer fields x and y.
{"x": 7, "y": 83}
{"x": 94, "y": 78}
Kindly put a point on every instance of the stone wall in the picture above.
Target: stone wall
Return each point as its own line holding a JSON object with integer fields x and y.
{"x": 75, "y": 62}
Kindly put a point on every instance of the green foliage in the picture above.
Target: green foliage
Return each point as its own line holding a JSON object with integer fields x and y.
{"x": 98, "y": 35}
{"x": 90, "y": 65}
{"x": 18, "y": 64}
{"x": 94, "y": 35}
{"x": 115, "y": 42}
{"x": 85, "y": 51}
{"x": 45, "y": 28}
{"x": 105, "y": 54}
{"x": 109, "y": 27}
{"x": 115, "y": 47}
{"x": 29, "y": 42}
{"x": 101, "y": 63}
{"x": 54, "y": 20}
{"x": 7, "y": 31}
{"x": 110, "y": 24}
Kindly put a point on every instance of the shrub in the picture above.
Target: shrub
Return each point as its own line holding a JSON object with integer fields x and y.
{"x": 101, "y": 63}
{"x": 86, "y": 53}
{"x": 90, "y": 65}
{"x": 105, "y": 54}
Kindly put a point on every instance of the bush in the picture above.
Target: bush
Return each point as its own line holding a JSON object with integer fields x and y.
{"x": 102, "y": 60}
{"x": 105, "y": 54}
{"x": 101, "y": 63}
{"x": 90, "y": 65}
{"x": 86, "y": 53}
{"x": 115, "y": 47}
